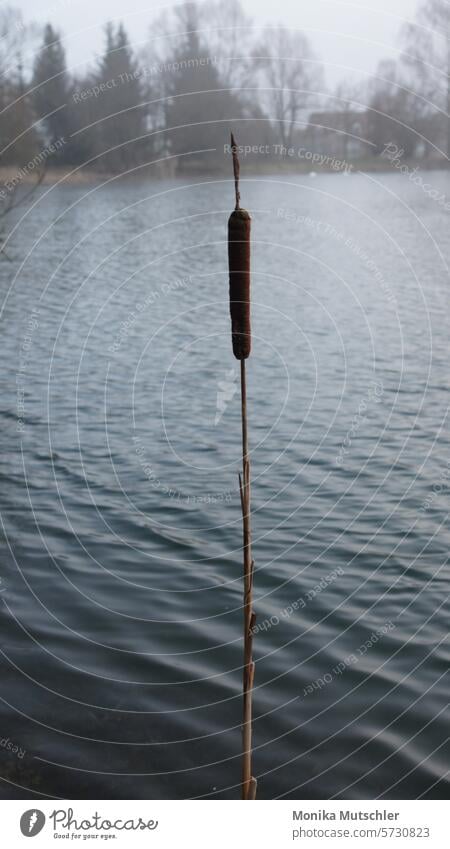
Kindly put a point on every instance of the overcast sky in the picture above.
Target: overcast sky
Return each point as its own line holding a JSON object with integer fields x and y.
{"x": 350, "y": 37}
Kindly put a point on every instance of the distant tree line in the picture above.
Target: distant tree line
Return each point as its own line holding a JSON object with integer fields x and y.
{"x": 205, "y": 67}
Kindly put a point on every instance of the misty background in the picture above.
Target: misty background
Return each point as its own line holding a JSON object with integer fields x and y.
{"x": 366, "y": 30}
{"x": 167, "y": 85}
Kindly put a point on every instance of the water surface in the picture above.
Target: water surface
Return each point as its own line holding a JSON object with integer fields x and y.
{"x": 121, "y": 570}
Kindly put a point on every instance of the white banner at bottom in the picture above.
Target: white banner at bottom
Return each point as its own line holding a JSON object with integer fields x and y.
{"x": 224, "y": 824}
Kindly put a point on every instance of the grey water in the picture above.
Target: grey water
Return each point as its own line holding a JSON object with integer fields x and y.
{"x": 121, "y": 590}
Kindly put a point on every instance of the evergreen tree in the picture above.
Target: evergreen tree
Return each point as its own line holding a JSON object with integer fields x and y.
{"x": 51, "y": 84}
{"x": 200, "y": 104}
{"x": 121, "y": 117}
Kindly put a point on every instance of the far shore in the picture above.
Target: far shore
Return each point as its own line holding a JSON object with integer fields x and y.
{"x": 82, "y": 176}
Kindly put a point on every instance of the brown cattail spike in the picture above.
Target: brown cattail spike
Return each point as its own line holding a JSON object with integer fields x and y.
{"x": 239, "y": 227}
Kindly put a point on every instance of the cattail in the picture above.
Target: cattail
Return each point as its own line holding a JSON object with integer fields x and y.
{"x": 239, "y": 264}
{"x": 239, "y": 225}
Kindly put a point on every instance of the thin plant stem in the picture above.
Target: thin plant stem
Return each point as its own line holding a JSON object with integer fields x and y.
{"x": 248, "y": 782}
{"x": 236, "y": 171}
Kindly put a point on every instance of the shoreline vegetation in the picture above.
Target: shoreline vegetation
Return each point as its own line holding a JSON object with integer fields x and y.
{"x": 77, "y": 175}
{"x": 201, "y": 68}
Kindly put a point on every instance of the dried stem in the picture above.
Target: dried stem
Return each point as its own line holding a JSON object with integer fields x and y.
{"x": 248, "y": 782}
{"x": 239, "y": 265}
{"x": 236, "y": 170}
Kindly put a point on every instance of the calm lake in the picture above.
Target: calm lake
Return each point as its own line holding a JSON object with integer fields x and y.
{"x": 121, "y": 591}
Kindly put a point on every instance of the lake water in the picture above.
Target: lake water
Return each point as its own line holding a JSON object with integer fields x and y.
{"x": 120, "y": 601}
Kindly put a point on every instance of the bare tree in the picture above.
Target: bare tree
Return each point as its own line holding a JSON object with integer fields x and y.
{"x": 229, "y": 35}
{"x": 12, "y": 29}
{"x": 18, "y": 42}
{"x": 291, "y": 78}
{"x": 392, "y": 110}
{"x": 426, "y": 56}
{"x": 195, "y": 96}
{"x": 348, "y": 101}
{"x": 172, "y": 34}
{"x": 17, "y": 135}
{"x": 154, "y": 81}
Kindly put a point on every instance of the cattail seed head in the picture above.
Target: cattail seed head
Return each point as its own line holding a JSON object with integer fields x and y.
{"x": 239, "y": 225}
